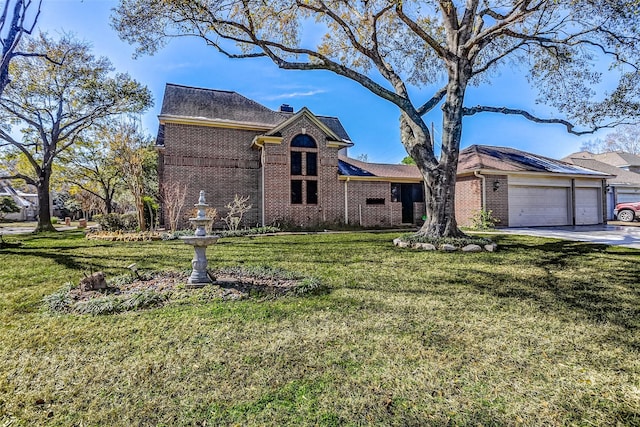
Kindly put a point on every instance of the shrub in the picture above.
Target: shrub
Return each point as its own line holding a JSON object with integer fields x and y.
{"x": 248, "y": 231}
{"x": 237, "y": 208}
{"x": 484, "y": 220}
{"x": 60, "y": 301}
{"x": 117, "y": 222}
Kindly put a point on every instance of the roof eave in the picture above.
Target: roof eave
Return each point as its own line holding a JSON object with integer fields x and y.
{"x": 203, "y": 121}
{"x": 503, "y": 172}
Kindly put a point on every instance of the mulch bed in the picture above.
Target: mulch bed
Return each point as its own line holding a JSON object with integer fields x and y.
{"x": 231, "y": 286}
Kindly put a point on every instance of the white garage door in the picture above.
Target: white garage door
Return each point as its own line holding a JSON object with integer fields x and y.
{"x": 624, "y": 197}
{"x": 532, "y": 206}
{"x": 587, "y": 206}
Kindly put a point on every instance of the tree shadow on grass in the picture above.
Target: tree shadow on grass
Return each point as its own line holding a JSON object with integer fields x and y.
{"x": 610, "y": 299}
{"x": 70, "y": 257}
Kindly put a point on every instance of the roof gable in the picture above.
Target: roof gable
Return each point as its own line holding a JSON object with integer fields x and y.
{"x": 618, "y": 158}
{"x": 325, "y": 124}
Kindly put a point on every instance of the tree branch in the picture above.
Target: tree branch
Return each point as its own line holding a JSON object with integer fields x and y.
{"x": 511, "y": 111}
{"x": 23, "y": 177}
{"x": 435, "y": 99}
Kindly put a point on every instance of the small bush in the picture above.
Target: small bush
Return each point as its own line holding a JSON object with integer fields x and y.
{"x": 484, "y": 220}
{"x": 60, "y": 301}
{"x": 97, "y": 306}
{"x": 117, "y": 222}
{"x": 143, "y": 299}
{"x": 248, "y": 231}
{"x": 310, "y": 286}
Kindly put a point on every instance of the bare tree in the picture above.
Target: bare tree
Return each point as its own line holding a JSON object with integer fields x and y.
{"x": 14, "y": 23}
{"x": 174, "y": 198}
{"x": 421, "y": 54}
{"x": 626, "y": 138}
{"x": 131, "y": 150}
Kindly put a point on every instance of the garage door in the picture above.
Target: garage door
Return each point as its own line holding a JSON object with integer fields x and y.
{"x": 588, "y": 206}
{"x": 628, "y": 197}
{"x": 532, "y": 206}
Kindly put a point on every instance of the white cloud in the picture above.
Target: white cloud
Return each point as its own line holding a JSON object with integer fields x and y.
{"x": 290, "y": 95}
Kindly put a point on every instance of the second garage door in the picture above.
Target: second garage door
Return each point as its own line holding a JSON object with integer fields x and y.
{"x": 588, "y": 206}
{"x": 538, "y": 206}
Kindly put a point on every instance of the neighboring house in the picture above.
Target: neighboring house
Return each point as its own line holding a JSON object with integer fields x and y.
{"x": 620, "y": 159}
{"x": 27, "y": 202}
{"x": 295, "y": 169}
{"x": 623, "y": 185}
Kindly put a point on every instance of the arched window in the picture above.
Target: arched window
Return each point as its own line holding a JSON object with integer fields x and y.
{"x": 304, "y": 170}
{"x": 303, "y": 141}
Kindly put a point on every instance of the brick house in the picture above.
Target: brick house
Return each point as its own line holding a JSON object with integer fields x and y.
{"x": 525, "y": 189}
{"x": 295, "y": 169}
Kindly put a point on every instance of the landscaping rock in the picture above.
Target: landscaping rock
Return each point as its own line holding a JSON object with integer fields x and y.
{"x": 94, "y": 282}
{"x": 490, "y": 247}
{"x": 397, "y": 241}
{"x": 426, "y": 246}
{"x": 472, "y": 248}
{"x": 403, "y": 245}
{"x": 448, "y": 248}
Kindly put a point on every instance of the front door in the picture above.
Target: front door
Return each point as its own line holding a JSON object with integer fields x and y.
{"x": 410, "y": 194}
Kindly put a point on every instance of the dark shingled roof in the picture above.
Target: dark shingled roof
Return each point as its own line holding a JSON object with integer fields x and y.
{"x": 334, "y": 124}
{"x": 506, "y": 159}
{"x": 185, "y": 101}
{"x": 383, "y": 170}
{"x": 193, "y": 102}
{"x": 347, "y": 169}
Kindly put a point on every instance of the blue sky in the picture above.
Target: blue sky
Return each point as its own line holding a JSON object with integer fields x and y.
{"x": 371, "y": 122}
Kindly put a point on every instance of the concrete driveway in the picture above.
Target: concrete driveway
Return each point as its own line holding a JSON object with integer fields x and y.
{"x": 627, "y": 236}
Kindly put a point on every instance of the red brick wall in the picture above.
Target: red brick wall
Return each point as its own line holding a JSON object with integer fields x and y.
{"x": 498, "y": 199}
{"x": 216, "y": 160}
{"x": 278, "y": 207}
{"x": 385, "y": 215}
{"x": 468, "y": 199}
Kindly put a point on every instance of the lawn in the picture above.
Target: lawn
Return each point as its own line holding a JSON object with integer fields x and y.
{"x": 542, "y": 332}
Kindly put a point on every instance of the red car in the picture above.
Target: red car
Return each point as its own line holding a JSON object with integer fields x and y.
{"x": 627, "y": 212}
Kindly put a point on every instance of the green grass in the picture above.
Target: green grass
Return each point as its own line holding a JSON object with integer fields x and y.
{"x": 542, "y": 332}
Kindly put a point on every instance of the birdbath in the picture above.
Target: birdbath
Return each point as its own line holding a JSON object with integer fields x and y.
{"x": 200, "y": 241}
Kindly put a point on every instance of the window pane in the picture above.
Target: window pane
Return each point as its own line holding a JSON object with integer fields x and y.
{"x": 312, "y": 192}
{"x": 296, "y": 192}
{"x": 304, "y": 141}
{"x": 312, "y": 164}
{"x": 395, "y": 192}
{"x": 296, "y": 163}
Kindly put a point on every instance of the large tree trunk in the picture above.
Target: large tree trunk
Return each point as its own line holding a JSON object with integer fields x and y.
{"x": 44, "y": 202}
{"x": 440, "y": 177}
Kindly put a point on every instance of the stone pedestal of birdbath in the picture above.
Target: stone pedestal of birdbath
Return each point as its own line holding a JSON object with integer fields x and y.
{"x": 200, "y": 241}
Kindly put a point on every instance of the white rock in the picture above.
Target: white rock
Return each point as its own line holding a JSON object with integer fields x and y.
{"x": 448, "y": 248}
{"x": 426, "y": 247}
{"x": 490, "y": 247}
{"x": 397, "y": 241}
{"x": 472, "y": 248}
{"x": 403, "y": 245}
